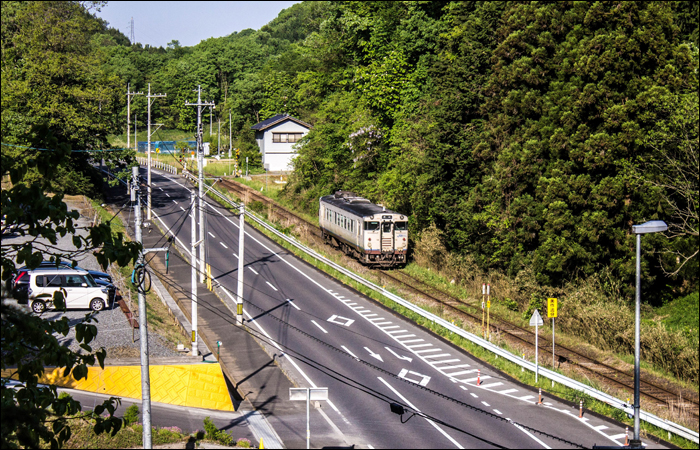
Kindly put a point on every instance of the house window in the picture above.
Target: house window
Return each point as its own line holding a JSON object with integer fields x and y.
{"x": 286, "y": 137}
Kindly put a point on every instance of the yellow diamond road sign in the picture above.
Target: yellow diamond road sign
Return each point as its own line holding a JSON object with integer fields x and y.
{"x": 551, "y": 307}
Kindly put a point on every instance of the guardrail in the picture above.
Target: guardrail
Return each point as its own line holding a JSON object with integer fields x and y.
{"x": 664, "y": 424}
{"x": 157, "y": 164}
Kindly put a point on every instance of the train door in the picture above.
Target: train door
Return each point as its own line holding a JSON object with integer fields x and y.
{"x": 387, "y": 237}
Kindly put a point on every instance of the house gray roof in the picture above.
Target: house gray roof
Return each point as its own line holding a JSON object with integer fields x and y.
{"x": 279, "y": 118}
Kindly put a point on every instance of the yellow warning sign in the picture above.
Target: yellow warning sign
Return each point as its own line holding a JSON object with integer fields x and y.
{"x": 488, "y": 303}
{"x": 551, "y": 307}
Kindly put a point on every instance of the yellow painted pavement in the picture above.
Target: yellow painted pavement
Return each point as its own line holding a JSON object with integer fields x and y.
{"x": 195, "y": 385}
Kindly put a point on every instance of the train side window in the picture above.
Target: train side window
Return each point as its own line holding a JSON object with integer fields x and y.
{"x": 400, "y": 226}
{"x": 371, "y": 226}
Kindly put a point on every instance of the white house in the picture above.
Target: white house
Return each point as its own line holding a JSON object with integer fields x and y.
{"x": 275, "y": 137}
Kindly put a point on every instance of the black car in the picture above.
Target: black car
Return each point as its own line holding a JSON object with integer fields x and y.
{"x": 18, "y": 285}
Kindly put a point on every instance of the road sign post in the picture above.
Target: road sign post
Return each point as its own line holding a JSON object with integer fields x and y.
{"x": 308, "y": 394}
{"x": 488, "y": 311}
{"x": 483, "y": 310}
{"x": 552, "y": 313}
{"x": 536, "y": 321}
{"x": 218, "y": 347}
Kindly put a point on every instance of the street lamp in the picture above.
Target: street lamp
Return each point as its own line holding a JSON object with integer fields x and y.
{"x": 653, "y": 226}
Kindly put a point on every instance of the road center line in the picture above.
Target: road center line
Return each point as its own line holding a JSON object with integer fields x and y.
{"x": 351, "y": 353}
{"x": 405, "y": 400}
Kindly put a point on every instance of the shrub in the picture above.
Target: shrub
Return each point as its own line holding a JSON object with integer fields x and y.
{"x": 243, "y": 442}
{"x": 210, "y": 428}
{"x": 131, "y": 415}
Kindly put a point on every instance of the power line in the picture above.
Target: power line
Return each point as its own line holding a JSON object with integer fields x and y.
{"x": 72, "y": 151}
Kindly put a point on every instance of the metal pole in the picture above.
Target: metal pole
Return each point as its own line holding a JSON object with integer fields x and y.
{"x": 143, "y": 329}
{"x": 537, "y": 360}
{"x": 239, "y": 290}
{"x": 210, "y": 114}
{"x": 128, "y": 115}
{"x": 553, "y": 366}
{"x": 230, "y": 139}
{"x": 193, "y": 278}
{"x": 148, "y": 140}
{"x": 200, "y": 164}
{"x": 308, "y": 429}
{"x": 218, "y": 139}
{"x": 637, "y": 307}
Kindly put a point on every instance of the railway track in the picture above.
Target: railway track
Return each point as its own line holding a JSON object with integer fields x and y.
{"x": 686, "y": 400}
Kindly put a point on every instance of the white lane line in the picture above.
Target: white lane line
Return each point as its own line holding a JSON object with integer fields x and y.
{"x": 177, "y": 239}
{"x": 167, "y": 194}
{"x": 471, "y": 380}
{"x": 507, "y": 391}
{"x": 351, "y": 353}
{"x": 396, "y": 331}
{"x": 223, "y": 245}
{"x": 383, "y": 323}
{"x": 235, "y": 255}
{"x": 390, "y": 328}
{"x": 292, "y": 303}
{"x": 463, "y": 387}
{"x": 405, "y": 400}
{"x": 256, "y": 273}
{"x": 377, "y": 318}
{"x": 268, "y": 283}
{"x": 485, "y": 404}
{"x": 174, "y": 202}
{"x": 430, "y": 350}
{"x": 600, "y": 427}
{"x": 497, "y": 412}
{"x": 182, "y": 208}
{"x": 319, "y": 326}
{"x": 484, "y": 386}
{"x": 411, "y": 341}
{"x": 617, "y": 436}
{"x": 441, "y": 355}
{"x": 411, "y": 347}
{"x": 527, "y": 397}
{"x": 213, "y": 237}
{"x": 447, "y": 361}
{"x": 458, "y": 366}
{"x": 296, "y": 366}
{"x": 458, "y": 373}
{"x": 158, "y": 187}
{"x": 370, "y": 315}
{"x": 532, "y": 436}
{"x": 474, "y": 395}
{"x": 403, "y": 336}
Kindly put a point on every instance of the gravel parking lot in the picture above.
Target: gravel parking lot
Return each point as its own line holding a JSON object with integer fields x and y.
{"x": 114, "y": 331}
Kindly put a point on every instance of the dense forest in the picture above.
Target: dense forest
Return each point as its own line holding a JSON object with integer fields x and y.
{"x": 521, "y": 135}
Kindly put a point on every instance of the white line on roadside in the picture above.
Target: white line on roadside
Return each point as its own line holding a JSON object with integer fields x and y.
{"x": 182, "y": 208}
{"x": 173, "y": 234}
{"x": 256, "y": 273}
{"x": 167, "y": 194}
{"x": 269, "y": 284}
{"x": 531, "y": 435}
{"x": 222, "y": 244}
{"x": 213, "y": 237}
{"x": 405, "y": 400}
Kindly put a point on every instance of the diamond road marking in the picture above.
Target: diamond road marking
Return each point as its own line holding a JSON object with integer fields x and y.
{"x": 424, "y": 378}
{"x": 344, "y": 321}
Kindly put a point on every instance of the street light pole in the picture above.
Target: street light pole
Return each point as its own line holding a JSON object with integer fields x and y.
{"x": 654, "y": 226}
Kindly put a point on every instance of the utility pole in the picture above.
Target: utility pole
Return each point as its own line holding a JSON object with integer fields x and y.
{"x": 210, "y": 114}
{"x": 218, "y": 140}
{"x": 200, "y": 165}
{"x": 193, "y": 278}
{"x": 143, "y": 330}
{"x": 148, "y": 184}
{"x": 239, "y": 290}
{"x": 136, "y": 141}
{"x": 129, "y": 94}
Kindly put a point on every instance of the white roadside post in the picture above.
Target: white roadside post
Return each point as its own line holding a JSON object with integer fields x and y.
{"x": 308, "y": 394}
{"x": 536, "y": 321}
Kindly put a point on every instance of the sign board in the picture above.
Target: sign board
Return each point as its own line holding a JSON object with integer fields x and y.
{"x": 551, "y": 307}
{"x": 315, "y": 394}
{"x": 488, "y": 303}
{"x": 536, "y": 319}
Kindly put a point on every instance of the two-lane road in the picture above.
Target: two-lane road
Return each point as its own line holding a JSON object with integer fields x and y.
{"x": 329, "y": 335}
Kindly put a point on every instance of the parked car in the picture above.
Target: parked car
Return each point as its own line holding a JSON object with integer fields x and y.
{"x": 81, "y": 289}
{"x": 19, "y": 282}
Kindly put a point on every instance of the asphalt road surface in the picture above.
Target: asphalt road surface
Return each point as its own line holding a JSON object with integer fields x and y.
{"x": 328, "y": 335}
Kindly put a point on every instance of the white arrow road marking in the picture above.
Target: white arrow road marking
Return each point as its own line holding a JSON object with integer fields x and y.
{"x": 351, "y": 353}
{"x": 374, "y": 355}
{"x": 340, "y": 320}
{"x": 405, "y": 400}
{"x": 424, "y": 378}
{"x": 405, "y": 358}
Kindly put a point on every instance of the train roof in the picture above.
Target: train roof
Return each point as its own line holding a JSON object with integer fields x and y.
{"x": 353, "y": 203}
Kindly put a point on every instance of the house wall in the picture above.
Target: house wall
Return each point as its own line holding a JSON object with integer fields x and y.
{"x": 277, "y": 156}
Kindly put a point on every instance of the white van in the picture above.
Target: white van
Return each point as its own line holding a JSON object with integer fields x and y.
{"x": 81, "y": 290}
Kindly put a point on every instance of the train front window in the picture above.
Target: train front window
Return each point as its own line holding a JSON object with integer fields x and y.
{"x": 400, "y": 226}
{"x": 386, "y": 227}
{"x": 371, "y": 226}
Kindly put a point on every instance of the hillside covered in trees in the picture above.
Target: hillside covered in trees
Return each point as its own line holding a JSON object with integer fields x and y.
{"x": 518, "y": 135}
